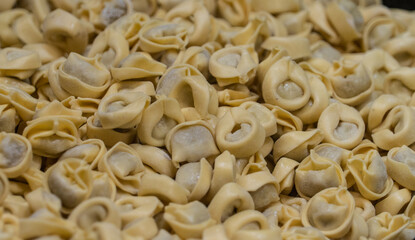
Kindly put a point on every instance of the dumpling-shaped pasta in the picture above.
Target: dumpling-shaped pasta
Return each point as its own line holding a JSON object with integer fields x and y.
{"x": 318, "y": 17}
{"x": 137, "y": 65}
{"x": 364, "y": 207}
{"x": 234, "y": 95}
{"x": 44, "y": 223}
{"x": 264, "y": 115}
{"x": 98, "y": 209}
{"x": 333, "y": 153}
{"x": 195, "y": 16}
{"x": 231, "y": 198}
{"x": 91, "y": 151}
{"x": 315, "y": 174}
{"x": 284, "y": 174}
{"x": 124, "y": 166}
{"x": 132, "y": 207}
{"x": 64, "y": 30}
{"x": 351, "y": 82}
{"x": 24, "y": 104}
{"x": 297, "y": 233}
{"x": 58, "y": 110}
{"x": 400, "y": 165}
{"x": 20, "y": 63}
{"x": 369, "y": 172}
{"x": 15, "y": 155}
{"x": 323, "y": 210}
{"x": 240, "y": 132}
{"x": 235, "y": 12}
{"x": 380, "y": 108}
{"x": 396, "y": 129}
{"x": 341, "y": 125}
{"x": 155, "y": 158}
{"x": 286, "y": 121}
{"x": 395, "y": 202}
{"x": 46, "y": 52}
{"x": 346, "y": 18}
{"x": 250, "y": 224}
{"x": 130, "y": 25}
{"x": 78, "y": 76}
{"x": 286, "y": 85}
{"x": 296, "y": 144}
{"x": 195, "y": 177}
{"x": 190, "y": 142}
{"x": 51, "y": 136}
{"x": 167, "y": 190}
{"x": 399, "y": 83}
{"x": 158, "y": 119}
{"x": 189, "y": 220}
{"x": 387, "y": 227}
{"x": 122, "y": 110}
{"x": 400, "y": 48}
{"x": 111, "y": 46}
{"x": 197, "y": 57}
{"x": 102, "y": 186}
{"x": 262, "y": 186}
{"x": 378, "y": 31}
{"x": 40, "y": 198}
{"x": 157, "y": 36}
{"x": 71, "y": 181}
{"x": 234, "y": 65}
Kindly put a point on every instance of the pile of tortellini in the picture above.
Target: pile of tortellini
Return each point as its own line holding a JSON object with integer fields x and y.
{"x": 206, "y": 119}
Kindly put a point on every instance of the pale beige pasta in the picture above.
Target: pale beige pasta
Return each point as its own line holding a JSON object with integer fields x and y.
{"x": 229, "y": 198}
{"x": 197, "y": 57}
{"x": 316, "y": 173}
{"x": 240, "y": 133}
{"x": 296, "y": 233}
{"x": 15, "y": 155}
{"x": 286, "y": 121}
{"x": 191, "y": 141}
{"x": 385, "y": 226}
{"x": 398, "y": 83}
{"x": 297, "y": 46}
{"x": 321, "y": 22}
{"x": 78, "y": 76}
{"x": 167, "y": 191}
{"x": 124, "y": 166}
{"x": 141, "y": 228}
{"x": 234, "y": 65}
{"x": 286, "y": 85}
{"x": 9, "y": 224}
{"x": 323, "y": 209}
{"x": 264, "y": 115}
{"x": 369, "y": 172}
{"x": 111, "y": 46}
{"x": 129, "y": 25}
{"x": 235, "y": 95}
{"x": 253, "y": 32}
{"x": 6, "y": 5}
{"x": 235, "y": 12}
{"x": 71, "y": 181}
{"x": 132, "y": 207}
{"x": 155, "y": 158}
{"x": 284, "y": 174}
{"x": 19, "y": 63}
{"x": 195, "y": 177}
{"x": 98, "y": 230}
{"x": 46, "y": 52}
{"x": 341, "y": 125}
{"x": 364, "y": 207}
{"x": 380, "y": 108}
{"x": 400, "y": 49}
{"x": 4, "y": 187}
{"x": 359, "y": 228}
{"x": 296, "y": 144}
{"x": 102, "y": 186}
{"x": 396, "y": 129}
{"x": 394, "y": 203}
{"x": 64, "y": 30}
{"x": 90, "y": 151}
{"x": 400, "y": 166}
{"x": 188, "y": 220}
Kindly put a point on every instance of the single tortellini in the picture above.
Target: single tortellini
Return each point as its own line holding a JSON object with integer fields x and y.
{"x": 284, "y": 172}
{"x": 341, "y": 125}
{"x": 265, "y": 116}
{"x": 191, "y": 141}
{"x": 15, "y": 155}
{"x": 195, "y": 16}
{"x": 400, "y": 164}
{"x": 286, "y": 85}
{"x": 240, "y": 133}
{"x": 167, "y": 189}
{"x": 43, "y": 223}
{"x": 378, "y": 31}
{"x": 78, "y": 76}
{"x": 137, "y": 65}
{"x": 188, "y": 220}
{"x": 157, "y": 36}
{"x": 235, "y": 12}
{"x": 157, "y": 159}
{"x": 91, "y": 151}
{"x": 195, "y": 177}
{"x": 323, "y": 210}
{"x": 387, "y": 227}
{"x": 197, "y": 57}
{"x": 380, "y": 108}
{"x": 398, "y": 83}
{"x": 296, "y": 144}
{"x": 346, "y": 19}
{"x": 95, "y": 210}
{"x": 130, "y": 25}
{"x": 396, "y": 129}
{"x": 316, "y": 173}
{"x": 234, "y": 65}
{"x": 229, "y": 199}
{"x": 124, "y": 166}
{"x": 132, "y": 207}
{"x": 51, "y": 136}
{"x": 71, "y": 181}
{"x": 19, "y": 63}
{"x": 158, "y": 119}
{"x": 24, "y": 104}
{"x": 262, "y": 186}
{"x": 64, "y": 30}
{"x": 369, "y": 172}
{"x": 122, "y": 110}
{"x": 112, "y": 47}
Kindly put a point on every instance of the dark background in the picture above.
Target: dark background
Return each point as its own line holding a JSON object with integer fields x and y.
{"x": 404, "y": 4}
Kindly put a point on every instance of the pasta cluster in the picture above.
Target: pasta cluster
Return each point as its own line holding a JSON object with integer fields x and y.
{"x": 206, "y": 119}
